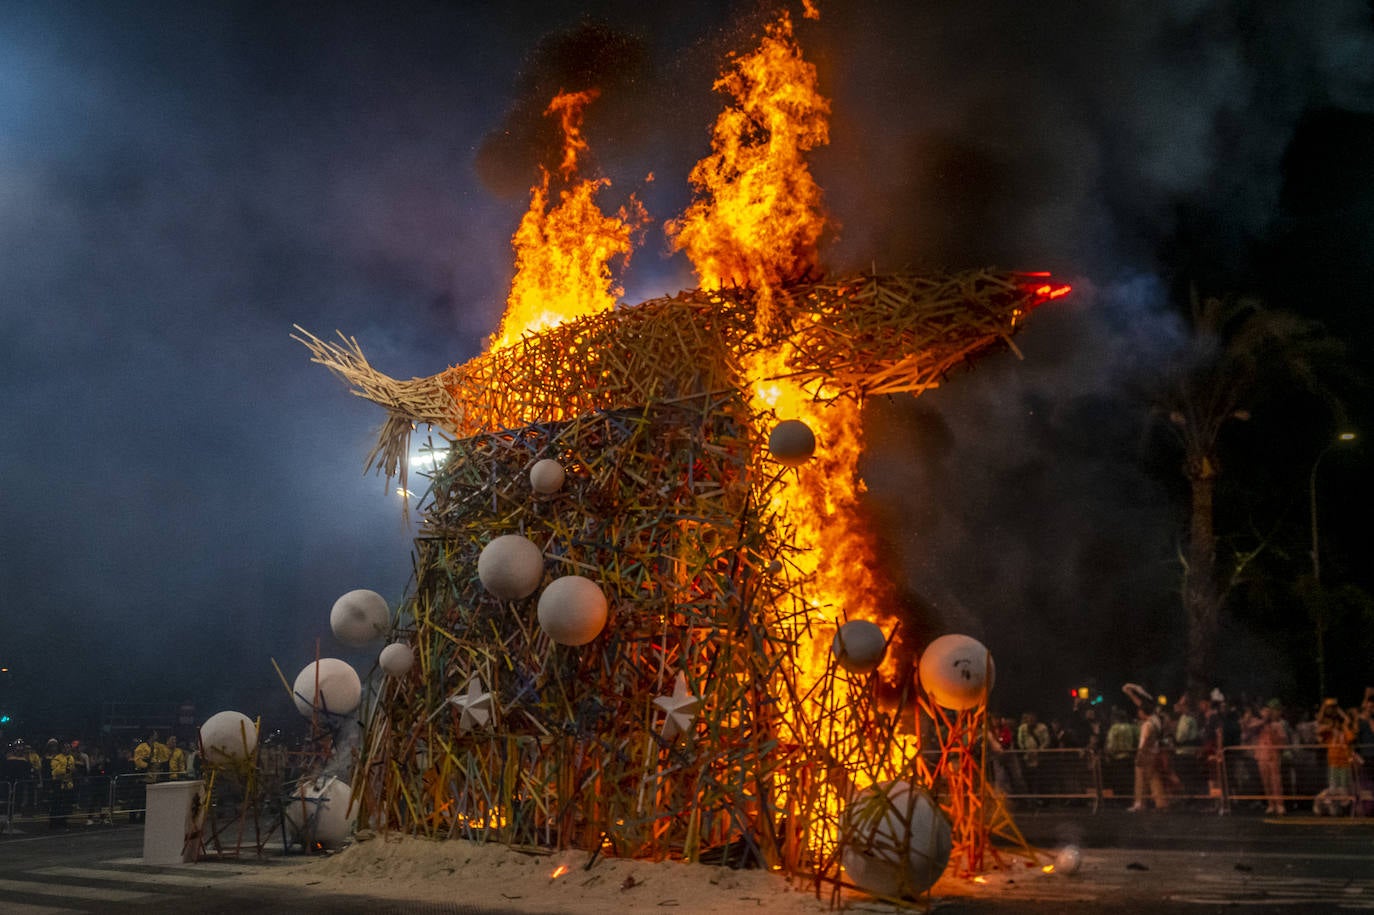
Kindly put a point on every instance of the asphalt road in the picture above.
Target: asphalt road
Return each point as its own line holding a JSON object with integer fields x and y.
{"x": 1170, "y": 863}
{"x": 101, "y": 869}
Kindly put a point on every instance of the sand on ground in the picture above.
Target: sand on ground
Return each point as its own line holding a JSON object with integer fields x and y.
{"x": 489, "y": 874}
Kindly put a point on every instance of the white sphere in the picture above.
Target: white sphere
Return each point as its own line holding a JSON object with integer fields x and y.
{"x": 1068, "y": 861}
{"x": 511, "y": 567}
{"x": 359, "y": 617}
{"x": 547, "y": 476}
{"x": 228, "y": 737}
{"x": 321, "y": 811}
{"x": 572, "y": 610}
{"x": 396, "y": 659}
{"x": 792, "y": 442}
{"x": 859, "y": 646}
{"x": 957, "y": 672}
{"x": 897, "y": 842}
{"x": 339, "y": 689}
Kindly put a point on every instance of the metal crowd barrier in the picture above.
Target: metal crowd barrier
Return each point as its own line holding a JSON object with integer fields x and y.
{"x": 1215, "y": 782}
{"x": 1303, "y": 779}
{"x": 30, "y": 801}
{"x": 1040, "y": 775}
{"x": 96, "y": 799}
{"x": 1066, "y": 776}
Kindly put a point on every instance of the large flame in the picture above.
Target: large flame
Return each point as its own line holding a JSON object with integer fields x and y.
{"x": 757, "y": 218}
{"x": 756, "y": 222}
{"x": 563, "y": 253}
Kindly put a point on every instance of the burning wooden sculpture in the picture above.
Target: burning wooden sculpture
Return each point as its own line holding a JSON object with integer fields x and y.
{"x": 626, "y": 596}
{"x": 694, "y": 722}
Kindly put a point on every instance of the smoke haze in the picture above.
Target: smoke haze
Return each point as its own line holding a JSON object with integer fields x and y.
{"x": 179, "y": 184}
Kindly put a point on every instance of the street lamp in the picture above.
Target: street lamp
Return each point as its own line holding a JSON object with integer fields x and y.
{"x": 1316, "y": 561}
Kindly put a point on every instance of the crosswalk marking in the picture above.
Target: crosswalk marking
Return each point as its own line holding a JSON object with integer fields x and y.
{"x": 24, "y": 908}
{"x": 35, "y": 888}
{"x": 127, "y": 876}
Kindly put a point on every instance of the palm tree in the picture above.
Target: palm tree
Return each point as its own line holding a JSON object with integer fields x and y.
{"x": 1239, "y": 355}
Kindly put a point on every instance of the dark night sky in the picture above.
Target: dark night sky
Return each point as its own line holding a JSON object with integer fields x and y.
{"x": 179, "y": 184}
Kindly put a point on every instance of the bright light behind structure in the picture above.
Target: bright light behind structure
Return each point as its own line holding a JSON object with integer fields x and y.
{"x": 426, "y": 460}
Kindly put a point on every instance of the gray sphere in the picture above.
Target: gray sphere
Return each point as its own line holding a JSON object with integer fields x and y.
{"x": 547, "y": 476}
{"x": 859, "y": 646}
{"x": 572, "y": 610}
{"x": 511, "y": 567}
{"x": 792, "y": 442}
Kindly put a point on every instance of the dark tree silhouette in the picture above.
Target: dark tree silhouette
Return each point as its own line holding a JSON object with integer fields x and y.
{"x": 1239, "y": 356}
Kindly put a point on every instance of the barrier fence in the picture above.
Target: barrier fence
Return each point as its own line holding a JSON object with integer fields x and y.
{"x": 94, "y": 799}
{"x": 1234, "y": 778}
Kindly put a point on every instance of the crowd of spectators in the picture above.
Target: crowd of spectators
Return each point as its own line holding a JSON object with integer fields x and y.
{"x": 72, "y": 780}
{"x": 1200, "y": 751}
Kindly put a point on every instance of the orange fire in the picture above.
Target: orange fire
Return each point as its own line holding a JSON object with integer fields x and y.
{"x": 757, "y": 222}
{"x": 757, "y": 219}
{"x": 564, "y": 252}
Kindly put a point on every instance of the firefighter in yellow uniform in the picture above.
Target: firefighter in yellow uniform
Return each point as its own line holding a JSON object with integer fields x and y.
{"x": 60, "y": 768}
{"x": 142, "y": 757}
{"x": 158, "y": 759}
{"x": 143, "y": 754}
{"x": 176, "y": 759}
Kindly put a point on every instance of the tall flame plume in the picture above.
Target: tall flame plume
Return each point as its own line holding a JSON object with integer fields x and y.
{"x": 757, "y": 219}
{"x": 564, "y": 251}
{"x": 757, "y": 222}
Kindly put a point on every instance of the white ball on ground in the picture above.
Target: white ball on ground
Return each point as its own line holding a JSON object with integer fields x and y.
{"x": 334, "y": 690}
{"x": 897, "y": 842}
{"x": 1068, "y": 861}
{"x": 547, "y": 476}
{"x": 359, "y": 617}
{"x": 792, "y": 442}
{"x": 396, "y": 659}
{"x": 321, "y": 812}
{"x": 511, "y": 567}
{"x": 859, "y": 646}
{"x": 228, "y": 737}
{"x": 957, "y": 672}
{"x": 572, "y": 610}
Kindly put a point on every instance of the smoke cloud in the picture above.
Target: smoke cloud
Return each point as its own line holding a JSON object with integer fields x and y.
{"x": 179, "y": 186}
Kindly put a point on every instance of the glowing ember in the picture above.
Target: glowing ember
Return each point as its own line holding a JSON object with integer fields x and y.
{"x": 1048, "y": 869}
{"x": 558, "y": 871}
{"x": 980, "y": 879}
{"x": 563, "y": 252}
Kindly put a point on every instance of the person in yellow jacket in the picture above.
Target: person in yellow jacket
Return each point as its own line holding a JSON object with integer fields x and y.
{"x": 142, "y": 757}
{"x": 60, "y": 769}
{"x": 176, "y": 759}
{"x": 158, "y": 759}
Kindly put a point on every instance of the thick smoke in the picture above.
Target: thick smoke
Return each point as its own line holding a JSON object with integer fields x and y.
{"x": 1086, "y": 140}
{"x": 179, "y": 186}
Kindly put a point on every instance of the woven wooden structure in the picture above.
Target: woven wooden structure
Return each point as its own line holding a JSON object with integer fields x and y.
{"x": 666, "y": 508}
